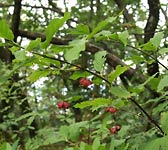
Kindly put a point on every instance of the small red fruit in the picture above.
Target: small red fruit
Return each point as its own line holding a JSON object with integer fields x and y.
{"x": 118, "y": 128}
{"x": 85, "y": 82}
{"x": 113, "y": 130}
{"x": 60, "y": 104}
{"x": 112, "y": 109}
{"x": 66, "y": 105}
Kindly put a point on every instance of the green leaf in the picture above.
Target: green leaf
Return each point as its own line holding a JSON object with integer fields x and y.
{"x": 64, "y": 132}
{"x": 156, "y": 39}
{"x": 81, "y": 29}
{"x": 118, "y": 71}
{"x": 101, "y": 25}
{"x": 163, "y": 51}
{"x": 120, "y": 92}
{"x": 99, "y": 60}
{"x": 53, "y": 27}
{"x": 74, "y": 52}
{"x": 74, "y": 130}
{"x": 33, "y": 44}
{"x": 38, "y": 74}
{"x": 96, "y": 143}
{"x": 112, "y": 143}
{"x": 123, "y": 37}
{"x": 156, "y": 144}
{"x": 148, "y": 46}
{"x": 95, "y": 102}
{"x": 25, "y": 116}
{"x": 5, "y": 31}
{"x": 60, "y": 48}
{"x": 164, "y": 121}
{"x": 78, "y": 74}
{"x": 5, "y": 146}
{"x": 163, "y": 83}
{"x": 20, "y": 55}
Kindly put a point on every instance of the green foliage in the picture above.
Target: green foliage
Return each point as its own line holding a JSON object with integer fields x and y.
{"x": 74, "y": 52}
{"x": 163, "y": 83}
{"x": 53, "y": 27}
{"x": 30, "y": 116}
{"x": 118, "y": 71}
{"x": 5, "y": 31}
{"x": 100, "y": 58}
{"x": 38, "y": 74}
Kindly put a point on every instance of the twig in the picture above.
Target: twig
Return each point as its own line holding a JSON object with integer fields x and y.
{"x": 71, "y": 64}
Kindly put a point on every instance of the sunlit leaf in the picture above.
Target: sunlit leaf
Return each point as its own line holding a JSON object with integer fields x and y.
{"x": 5, "y": 146}
{"x": 38, "y": 74}
{"x": 120, "y": 92}
{"x": 33, "y": 44}
{"x": 164, "y": 121}
{"x": 100, "y": 58}
{"x": 163, "y": 51}
{"x": 123, "y": 37}
{"x": 118, "y": 71}
{"x": 156, "y": 39}
{"x": 101, "y": 25}
{"x": 95, "y": 102}
{"x": 80, "y": 29}
{"x": 163, "y": 83}
{"x": 53, "y": 27}
{"x": 5, "y": 31}
{"x": 77, "y": 47}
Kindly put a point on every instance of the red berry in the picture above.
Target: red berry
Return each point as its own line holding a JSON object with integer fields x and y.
{"x": 66, "y": 105}
{"x": 60, "y": 104}
{"x": 113, "y": 130}
{"x": 106, "y": 109}
{"x": 85, "y": 82}
{"x": 118, "y": 128}
{"x": 112, "y": 109}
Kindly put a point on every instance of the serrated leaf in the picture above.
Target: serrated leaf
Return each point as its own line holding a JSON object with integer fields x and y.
{"x": 96, "y": 102}
{"x": 156, "y": 39}
{"x": 163, "y": 83}
{"x": 101, "y": 25}
{"x": 120, "y": 92}
{"x": 163, "y": 51}
{"x": 99, "y": 60}
{"x": 53, "y": 27}
{"x": 123, "y": 37}
{"x": 164, "y": 121}
{"x": 38, "y": 74}
{"x": 33, "y": 44}
{"x": 5, "y": 31}
{"x": 80, "y": 29}
{"x": 118, "y": 71}
{"x": 25, "y": 116}
{"x": 74, "y": 52}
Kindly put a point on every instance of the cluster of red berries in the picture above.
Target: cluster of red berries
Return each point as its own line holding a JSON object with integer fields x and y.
{"x": 115, "y": 129}
{"x": 110, "y": 109}
{"x": 62, "y": 104}
{"x": 85, "y": 82}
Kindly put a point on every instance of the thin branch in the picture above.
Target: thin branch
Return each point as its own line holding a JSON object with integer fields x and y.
{"x": 101, "y": 77}
{"x": 112, "y": 60}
